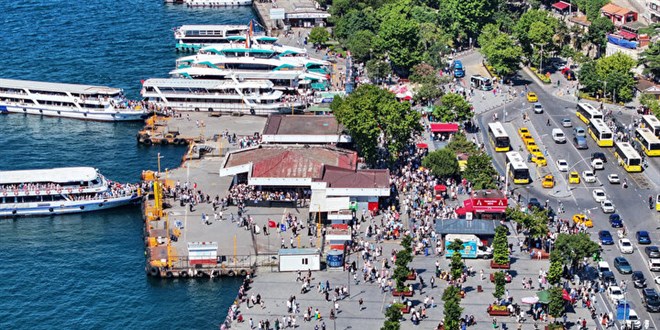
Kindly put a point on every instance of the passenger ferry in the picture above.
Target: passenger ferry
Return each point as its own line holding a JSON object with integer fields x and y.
{"x": 255, "y": 49}
{"x": 217, "y": 3}
{"x": 193, "y": 37}
{"x": 256, "y": 97}
{"x": 255, "y": 60}
{"x": 66, "y": 100}
{"x": 60, "y": 191}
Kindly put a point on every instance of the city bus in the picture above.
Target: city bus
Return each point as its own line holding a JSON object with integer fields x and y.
{"x": 628, "y": 157}
{"x": 649, "y": 142}
{"x": 517, "y": 168}
{"x": 601, "y": 133}
{"x": 498, "y": 137}
{"x": 586, "y": 112}
{"x": 652, "y": 123}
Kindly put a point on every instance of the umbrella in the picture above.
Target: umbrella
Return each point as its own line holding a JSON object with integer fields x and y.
{"x": 271, "y": 224}
{"x": 440, "y": 187}
{"x": 422, "y": 146}
{"x": 544, "y": 296}
{"x": 530, "y": 300}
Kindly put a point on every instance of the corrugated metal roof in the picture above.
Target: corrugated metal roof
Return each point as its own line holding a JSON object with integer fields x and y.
{"x": 342, "y": 178}
{"x": 462, "y": 226}
{"x": 302, "y": 125}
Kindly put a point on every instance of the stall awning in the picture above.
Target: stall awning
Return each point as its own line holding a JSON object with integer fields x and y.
{"x": 422, "y": 145}
{"x": 627, "y": 35}
{"x": 444, "y": 127}
{"x": 560, "y": 5}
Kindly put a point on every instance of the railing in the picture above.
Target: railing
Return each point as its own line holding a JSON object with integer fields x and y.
{"x": 229, "y": 262}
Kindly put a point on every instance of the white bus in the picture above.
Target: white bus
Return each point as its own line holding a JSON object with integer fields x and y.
{"x": 480, "y": 82}
{"x": 649, "y": 142}
{"x": 586, "y": 112}
{"x": 517, "y": 168}
{"x": 498, "y": 137}
{"x": 628, "y": 157}
{"x": 652, "y": 123}
{"x": 601, "y": 133}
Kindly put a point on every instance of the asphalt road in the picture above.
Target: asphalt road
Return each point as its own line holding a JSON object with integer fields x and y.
{"x": 631, "y": 203}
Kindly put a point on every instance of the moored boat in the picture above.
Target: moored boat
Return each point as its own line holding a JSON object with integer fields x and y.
{"x": 60, "y": 191}
{"x": 67, "y": 100}
{"x": 217, "y": 3}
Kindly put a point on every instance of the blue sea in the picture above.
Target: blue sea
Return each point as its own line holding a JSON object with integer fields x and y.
{"x": 87, "y": 271}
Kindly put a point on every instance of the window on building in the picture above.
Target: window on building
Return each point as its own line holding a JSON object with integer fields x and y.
{"x": 305, "y": 261}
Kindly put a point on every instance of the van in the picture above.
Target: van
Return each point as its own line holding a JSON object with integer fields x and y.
{"x": 654, "y": 265}
{"x": 579, "y": 131}
{"x": 603, "y": 266}
{"x": 581, "y": 142}
{"x": 558, "y": 135}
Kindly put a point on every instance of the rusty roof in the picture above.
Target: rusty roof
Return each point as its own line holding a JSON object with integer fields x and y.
{"x": 581, "y": 20}
{"x": 278, "y": 124}
{"x": 611, "y": 8}
{"x": 272, "y": 161}
{"x": 337, "y": 177}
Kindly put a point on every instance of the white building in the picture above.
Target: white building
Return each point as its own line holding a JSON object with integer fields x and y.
{"x": 293, "y": 260}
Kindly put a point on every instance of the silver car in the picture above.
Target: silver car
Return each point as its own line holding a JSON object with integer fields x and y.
{"x": 566, "y": 122}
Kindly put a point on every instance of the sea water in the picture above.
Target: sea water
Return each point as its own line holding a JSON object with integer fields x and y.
{"x": 86, "y": 271}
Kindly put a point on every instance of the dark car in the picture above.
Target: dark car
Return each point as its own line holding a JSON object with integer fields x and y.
{"x": 622, "y": 265}
{"x": 652, "y": 251}
{"x": 605, "y": 237}
{"x": 608, "y": 278}
{"x": 533, "y": 202}
{"x": 651, "y": 300}
{"x": 643, "y": 237}
{"x": 615, "y": 221}
{"x": 599, "y": 155}
{"x": 639, "y": 281}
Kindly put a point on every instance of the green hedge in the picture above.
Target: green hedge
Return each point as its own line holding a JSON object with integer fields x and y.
{"x": 587, "y": 96}
{"x": 542, "y": 77}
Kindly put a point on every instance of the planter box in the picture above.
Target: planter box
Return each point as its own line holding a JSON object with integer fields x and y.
{"x": 405, "y": 309}
{"x": 547, "y": 327}
{"x": 507, "y": 279}
{"x": 499, "y": 266}
{"x": 412, "y": 277}
{"x": 498, "y": 313}
{"x": 402, "y": 294}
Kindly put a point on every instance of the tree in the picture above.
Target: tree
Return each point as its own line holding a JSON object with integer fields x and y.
{"x": 453, "y": 108}
{"x": 378, "y": 69}
{"x": 452, "y": 307}
{"x": 535, "y": 28}
{"x": 466, "y": 18}
{"x": 392, "y": 316}
{"x": 503, "y": 54}
{"x": 443, "y": 163}
{"x": 353, "y": 22}
{"x": 460, "y": 144}
{"x": 616, "y": 71}
{"x": 589, "y": 77}
{"x": 427, "y": 93}
{"x": 480, "y": 171}
{"x": 649, "y": 101}
{"x": 598, "y": 31}
{"x": 319, "y": 35}
{"x": 359, "y": 44}
{"x": 456, "y": 264}
{"x": 556, "y": 307}
{"x": 500, "y": 246}
{"x": 536, "y": 223}
{"x": 369, "y": 112}
{"x": 651, "y": 60}
{"x": 555, "y": 271}
{"x": 570, "y": 249}
{"x": 500, "y": 282}
{"x": 424, "y": 74}
{"x": 396, "y": 39}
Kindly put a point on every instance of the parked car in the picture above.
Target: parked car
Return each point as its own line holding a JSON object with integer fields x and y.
{"x": 639, "y": 281}
{"x": 562, "y": 165}
{"x": 652, "y": 251}
{"x": 633, "y": 321}
{"x": 613, "y": 178}
{"x": 599, "y": 195}
{"x": 615, "y": 221}
{"x": 608, "y": 207}
{"x": 523, "y": 130}
{"x": 602, "y": 267}
{"x": 643, "y": 237}
{"x": 605, "y": 237}
{"x": 548, "y": 181}
{"x": 625, "y": 246}
{"x": 622, "y": 265}
{"x": 651, "y": 300}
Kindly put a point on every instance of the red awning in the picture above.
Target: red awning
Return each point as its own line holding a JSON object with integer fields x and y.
{"x": 440, "y": 187}
{"x": 422, "y": 146}
{"x": 469, "y": 205}
{"x": 627, "y": 35}
{"x": 565, "y": 295}
{"x": 407, "y": 98}
{"x": 560, "y": 5}
{"x": 444, "y": 127}
{"x": 461, "y": 211}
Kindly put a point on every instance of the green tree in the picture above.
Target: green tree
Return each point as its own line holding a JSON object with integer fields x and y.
{"x": 453, "y": 108}
{"x": 378, "y": 69}
{"x": 466, "y": 18}
{"x": 452, "y": 307}
{"x": 369, "y": 112}
{"x": 651, "y": 59}
{"x": 570, "y": 249}
{"x": 555, "y": 271}
{"x": 535, "y": 28}
{"x": 503, "y": 54}
{"x": 556, "y": 307}
{"x": 480, "y": 171}
{"x": 396, "y": 39}
{"x": 427, "y": 93}
{"x": 598, "y": 31}
{"x": 443, "y": 163}
{"x": 392, "y": 316}
{"x": 460, "y": 144}
{"x": 359, "y": 44}
{"x": 500, "y": 246}
{"x": 355, "y": 21}
{"x": 616, "y": 71}
{"x": 456, "y": 263}
{"x": 649, "y": 101}
{"x": 535, "y": 223}
{"x": 589, "y": 78}
{"x": 424, "y": 74}
{"x": 500, "y": 282}
{"x": 319, "y": 35}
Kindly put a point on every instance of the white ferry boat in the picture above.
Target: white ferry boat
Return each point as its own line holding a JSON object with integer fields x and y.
{"x": 250, "y": 59}
{"x": 255, "y": 97}
{"x": 217, "y": 3}
{"x": 255, "y": 49}
{"x": 66, "y": 100}
{"x": 191, "y": 38}
{"x": 60, "y": 191}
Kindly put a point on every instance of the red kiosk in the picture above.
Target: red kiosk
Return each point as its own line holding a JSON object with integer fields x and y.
{"x": 484, "y": 204}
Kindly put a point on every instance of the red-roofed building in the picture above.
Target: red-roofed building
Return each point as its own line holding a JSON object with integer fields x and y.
{"x": 618, "y": 15}
{"x": 298, "y": 129}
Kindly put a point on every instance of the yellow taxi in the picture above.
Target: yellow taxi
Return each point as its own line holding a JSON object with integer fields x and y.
{"x": 581, "y": 219}
{"x": 523, "y": 130}
{"x": 530, "y": 143}
{"x": 531, "y": 97}
{"x": 548, "y": 181}
{"x": 539, "y": 160}
{"x": 574, "y": 177}
{"x": 535, "y": 151}
{"x": 527, "y": 137}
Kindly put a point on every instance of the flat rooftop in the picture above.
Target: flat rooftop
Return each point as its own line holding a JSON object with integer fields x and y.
{"x": 278, "y": 124}
{"x": 337, "y": 177}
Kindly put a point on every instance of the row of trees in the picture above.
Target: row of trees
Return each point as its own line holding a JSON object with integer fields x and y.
{"x": 610, "y": 77}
